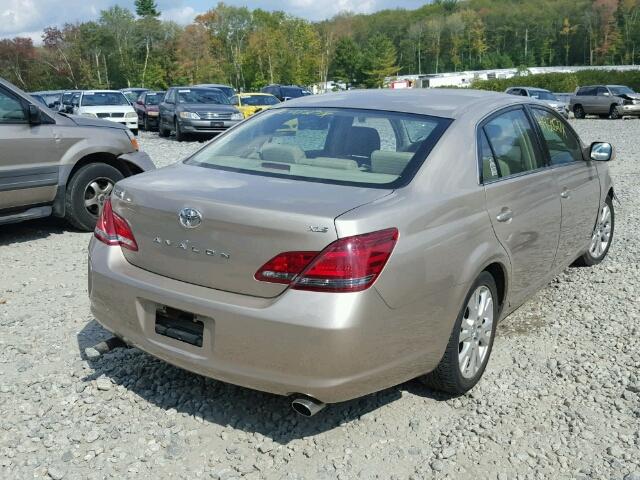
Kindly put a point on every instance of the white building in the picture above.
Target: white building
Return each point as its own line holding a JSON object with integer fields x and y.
{"x": 464, "y": 79}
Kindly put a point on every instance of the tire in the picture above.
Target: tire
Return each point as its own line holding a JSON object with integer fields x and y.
{"x": 599, "y": 248}
{"x": 613, "y": 113}
{"x": 134, "y": 131}
{"x": 180, "y": 137}
{"x": 145, "y": 123}
{"x": 162, "y": 132}
{"x": 80, "y": 192}
{"x": 578, "y": 111}
{"x": 448, "y": 375}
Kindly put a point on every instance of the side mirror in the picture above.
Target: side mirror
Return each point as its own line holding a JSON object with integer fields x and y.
{"x": 34, "y": 115}
{"x": 606, "y": 94}
{"x": 601, "y": 151}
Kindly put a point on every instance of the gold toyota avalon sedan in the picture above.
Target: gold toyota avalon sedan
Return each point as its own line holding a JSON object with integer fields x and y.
{"x": 339, "y": 244}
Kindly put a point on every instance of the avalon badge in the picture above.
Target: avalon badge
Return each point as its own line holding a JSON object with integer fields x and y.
{"x": 190, "y": 217}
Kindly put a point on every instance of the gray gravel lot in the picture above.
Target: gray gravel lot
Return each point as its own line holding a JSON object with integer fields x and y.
{"x": 560, "y": 398}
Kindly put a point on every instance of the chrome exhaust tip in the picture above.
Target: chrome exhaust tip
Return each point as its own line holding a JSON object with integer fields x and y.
{"x": 307, "y": 407}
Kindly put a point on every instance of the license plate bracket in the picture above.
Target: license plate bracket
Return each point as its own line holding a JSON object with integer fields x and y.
{"x": 217, "y": 124}
{"x": 179, "y": 325}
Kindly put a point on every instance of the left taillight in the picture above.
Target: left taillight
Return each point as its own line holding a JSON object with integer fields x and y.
{"x": 349, "y": 264}
{"x": 112, "y": 229}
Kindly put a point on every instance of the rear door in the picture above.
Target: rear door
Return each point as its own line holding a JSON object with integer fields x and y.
{"x": 521, "y": 198}
{"x": 603, "y": 100}
{"x": 28, "y": 156}
{"x": 577, "y": 181}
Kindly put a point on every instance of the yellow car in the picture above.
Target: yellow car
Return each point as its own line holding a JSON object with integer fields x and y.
{"x": 250, "y": 103}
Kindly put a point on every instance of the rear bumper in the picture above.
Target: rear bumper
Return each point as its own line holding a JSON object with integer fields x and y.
{"x": 333, "y": 347}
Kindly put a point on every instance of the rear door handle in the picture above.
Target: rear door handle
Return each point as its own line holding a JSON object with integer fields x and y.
{"x": 505, "y": 215}
{"x": 566, "y": 193}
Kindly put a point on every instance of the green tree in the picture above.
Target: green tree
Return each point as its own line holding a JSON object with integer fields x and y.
{"x": 380, "y": 60}
{"x": 347, "y": 62}
{"x": 146, "y": 8}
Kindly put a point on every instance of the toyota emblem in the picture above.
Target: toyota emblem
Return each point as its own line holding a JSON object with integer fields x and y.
{"x": 190, "y": 218}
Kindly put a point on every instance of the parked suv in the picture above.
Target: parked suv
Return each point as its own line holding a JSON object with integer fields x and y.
{"x": 146, "y": 107}
{"x": 543, "y": 95}
{"x": 606, "y": 101}
{"x": 190, "y": 110}
{"x": 283, "y": 93}
{"x": 56, "y": 164}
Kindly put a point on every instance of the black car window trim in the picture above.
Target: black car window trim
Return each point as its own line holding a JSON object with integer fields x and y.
{"x": 540, "y": 135}
{"x": 481, "y": 125}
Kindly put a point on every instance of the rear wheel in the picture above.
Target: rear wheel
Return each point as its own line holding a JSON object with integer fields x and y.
{"x": 86, "y": 192}
{"x": 601, "y": 238}
{"x": 469, "y": 347}
{"x": 145, "y": 123}
{"x": 578, "y": 111}
{"x": 614, "y": 114}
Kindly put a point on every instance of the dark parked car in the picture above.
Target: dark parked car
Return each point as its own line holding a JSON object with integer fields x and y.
{"x": 228, "y": 90}
{"x": 52, "y": 98}
{"x": 132, "y": 94}
{"x": 285, "y": 92}
{"x": 191, "y": 110}
{"x": 70, "y": 99}
{"x": 606, "y": 101}
{"x": 147, "y": 108}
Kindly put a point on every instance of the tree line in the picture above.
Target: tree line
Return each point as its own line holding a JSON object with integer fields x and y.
{"x": 252, "y": 48}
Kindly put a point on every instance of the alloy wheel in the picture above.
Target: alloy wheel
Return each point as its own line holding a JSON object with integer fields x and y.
{"x": 95, "y": 193}
{"x": 601, "y": 233}
{"x": 476, "y": 331}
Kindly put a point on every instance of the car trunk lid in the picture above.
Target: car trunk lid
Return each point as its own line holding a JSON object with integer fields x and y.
{"x": 245, "y": 221}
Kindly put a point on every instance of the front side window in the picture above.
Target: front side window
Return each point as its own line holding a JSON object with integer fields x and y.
{"x": 93, "y": 99}
{"x": 332, "y": 145}
{"x": 513, "y": 143}
{"x": 562, "y": 144}
{"x": 543, "y": 95}
{"x": 602, "y": 92}
{"x": 11, "y": 110}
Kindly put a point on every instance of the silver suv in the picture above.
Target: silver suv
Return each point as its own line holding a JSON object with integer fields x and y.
{"x": 57, "y": 164}
{"x": 606, "y": 101}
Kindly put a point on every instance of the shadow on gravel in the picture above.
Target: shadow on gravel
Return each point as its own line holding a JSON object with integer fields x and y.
{"x": 169, "y": 387}
{"x": 32, "y": 230}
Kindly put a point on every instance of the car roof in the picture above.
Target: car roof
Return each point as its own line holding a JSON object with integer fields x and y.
{"x": 244, "y": 94}
{"x": 439, "y": 102}
{"x": 101, "y": 91}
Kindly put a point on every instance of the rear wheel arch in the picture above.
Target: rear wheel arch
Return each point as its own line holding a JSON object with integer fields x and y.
{"x": 499, "y": 273}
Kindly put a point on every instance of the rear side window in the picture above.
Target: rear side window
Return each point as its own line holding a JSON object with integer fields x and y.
{"x": 586, "y": 91}
{"x": 562, "y": 144}
{"x": 331, "y": 145}
{"x": 513, "y": 142}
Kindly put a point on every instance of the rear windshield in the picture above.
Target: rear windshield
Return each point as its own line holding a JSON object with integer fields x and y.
{"x": 332, "y": 145}
{"x": 92, "y": 99}
{"x": 152, "y": 98}
{"x": 253, "y": 100}
{"x": 543, "y": 95}
{"x": 202, "y": 96}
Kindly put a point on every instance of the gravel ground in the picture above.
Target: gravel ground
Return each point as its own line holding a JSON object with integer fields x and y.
{"x": 560, "y": 399}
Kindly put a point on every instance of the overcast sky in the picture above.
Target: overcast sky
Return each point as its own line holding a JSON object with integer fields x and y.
{"x": 28, "y": 17}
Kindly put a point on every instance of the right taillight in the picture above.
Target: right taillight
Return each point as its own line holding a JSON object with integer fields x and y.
{"x": 112, "y": 229}
{"x": 349, "y": 264}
